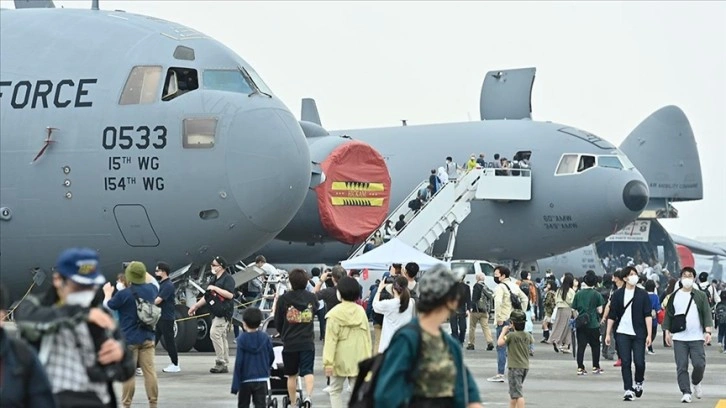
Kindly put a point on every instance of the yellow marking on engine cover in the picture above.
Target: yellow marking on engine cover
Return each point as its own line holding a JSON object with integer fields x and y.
{"x": 357, "y": 185}
{"x": 357, "y": 202}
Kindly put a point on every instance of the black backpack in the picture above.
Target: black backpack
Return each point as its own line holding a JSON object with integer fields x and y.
{"x": 516, "y": 303}
{"x": 364, "y": 390}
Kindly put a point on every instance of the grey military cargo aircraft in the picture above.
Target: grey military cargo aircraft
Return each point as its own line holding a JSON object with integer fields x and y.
{"x": 582, "y": 187}
{"x": 139, "y": 137}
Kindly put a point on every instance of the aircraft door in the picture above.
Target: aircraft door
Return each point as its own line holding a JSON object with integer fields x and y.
{"x": 135, "y": 225}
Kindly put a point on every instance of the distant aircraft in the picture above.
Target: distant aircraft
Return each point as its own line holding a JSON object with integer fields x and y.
{"x": 583, "y": 188}
{"x": 138, "y": 137}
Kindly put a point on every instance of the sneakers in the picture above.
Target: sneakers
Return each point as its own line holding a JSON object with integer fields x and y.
{"x": 618, "y": 363}
{"x": 697, "y": 391}
{"x": 686, "y": 398}
{"x": 597, "y": 370}
{"x": 638, "y": 388}
{"x": 219, "y": 369}
{"x": 326, "y": 389}
{"x": 651, "y": 352}
{"x": 470, "y": 347}
{"x": 171, "y": 368}
{"x": 490, "y": 347}
{"x": 138, "y": 371}
{"x": 543, "y": 341}
{"x": 581, "y": 371}
{"x": 628, "y": 396}
{"x": 496, "y": 378}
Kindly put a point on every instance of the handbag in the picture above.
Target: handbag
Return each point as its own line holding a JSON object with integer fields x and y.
{"x": 583, "y": 319}
{"x": 678, "y": 323}
{"x": 660, "y": 316}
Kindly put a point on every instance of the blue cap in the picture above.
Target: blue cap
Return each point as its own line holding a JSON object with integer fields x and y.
{"x": 81, "y": 266}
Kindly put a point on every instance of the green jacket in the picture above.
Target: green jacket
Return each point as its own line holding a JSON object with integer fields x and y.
{"x": 393, "y": 389}
{"x": 699, "y": 300}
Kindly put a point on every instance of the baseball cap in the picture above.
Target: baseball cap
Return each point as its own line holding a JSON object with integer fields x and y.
{"x": 80, "y": 265}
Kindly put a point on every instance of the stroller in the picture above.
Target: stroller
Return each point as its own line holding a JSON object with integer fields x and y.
{"x": 277, "y": 384}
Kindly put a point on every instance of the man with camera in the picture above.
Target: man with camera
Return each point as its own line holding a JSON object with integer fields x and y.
{"x": 688, "y": 326}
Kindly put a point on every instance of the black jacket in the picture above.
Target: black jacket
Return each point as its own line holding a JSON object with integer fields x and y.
{"x": 640, "y": 308}
{"x": 464, "y": 298}
{"x": 477, "y": 293}
{"x": 294, "y": 320}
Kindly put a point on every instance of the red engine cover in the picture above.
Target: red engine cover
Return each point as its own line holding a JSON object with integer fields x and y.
{"x": 354, "y": 199}
{"x": 686, "y": 256}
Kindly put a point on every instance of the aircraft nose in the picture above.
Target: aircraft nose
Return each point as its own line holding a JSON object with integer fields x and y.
{"x": 268, "y": 166}
{"x": 635, "y": 195}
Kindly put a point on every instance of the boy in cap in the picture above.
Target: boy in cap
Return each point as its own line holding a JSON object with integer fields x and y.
{"x": 518, "y": 342}
{"x": 140, "y": 340}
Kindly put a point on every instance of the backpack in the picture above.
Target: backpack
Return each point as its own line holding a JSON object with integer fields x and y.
{"x": 147, "y": 312}
{"x": 525, "y": 287}
{"x": 483, "y": 304}
{"x": 368, "y": 369}
{"x": 721, "y": 313}
{"x": 516, "y": 303}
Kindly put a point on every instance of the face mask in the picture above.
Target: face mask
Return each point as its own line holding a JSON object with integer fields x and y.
{"x": 120, "y": 286}
{"x": 687, "y": 283}
{"x": 83, "y": 298}
{"x": 633, "y": 280}
{"x": 496, "y": 279}
{"x": 340, "y": 298}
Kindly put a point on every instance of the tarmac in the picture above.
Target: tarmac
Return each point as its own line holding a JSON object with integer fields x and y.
{"x": 551, "y": 382}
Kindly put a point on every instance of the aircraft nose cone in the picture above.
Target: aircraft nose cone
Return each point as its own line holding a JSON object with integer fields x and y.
{"x": 268, "y": 167}
{"x": 635, "y": 196}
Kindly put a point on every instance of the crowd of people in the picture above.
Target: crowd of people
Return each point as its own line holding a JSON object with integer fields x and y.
{"x": 86, "y": 334}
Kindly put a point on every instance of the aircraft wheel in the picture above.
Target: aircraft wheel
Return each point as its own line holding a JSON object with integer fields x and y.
{"x": 184, "y": 332}
{"x": 203, "y": 343}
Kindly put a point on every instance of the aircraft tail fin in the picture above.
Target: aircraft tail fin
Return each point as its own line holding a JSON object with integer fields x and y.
{"x": 26, "y": 4}
{"x": 662, "y": 147}
{"x": 310, "y": 111}
{"x": 507, "y": 94}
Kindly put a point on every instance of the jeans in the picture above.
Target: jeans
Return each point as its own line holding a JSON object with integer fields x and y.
{"x": 631, "y": 350}
{"x": 255, "y": 390}
{"x": 608, "y": 352}
{"x": 144, "y": 356}
{"x": 458, "y": 326}
{"x": 589, "y": 336}
{"x": 166, "y": 328}
{"x": 501, "y": 351}
{"x": 722, "y": 335}
{"x": 683, "y": 350}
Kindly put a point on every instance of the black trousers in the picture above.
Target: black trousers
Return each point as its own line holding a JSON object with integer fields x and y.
{"x": 255, "y": 390}
{"x": 587, "y": 336}
{"x": 458, "y": 326}
{"x": 166, "y": 328}
{"x": 631, "y": 350}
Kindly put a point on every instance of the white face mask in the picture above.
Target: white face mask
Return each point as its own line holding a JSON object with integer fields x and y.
{"x": 120, "y": 286}
{"x": 83, "y": 298}
{"x": 687, "y": 283}
{"x": 340, "y": 298}
{"x": 633, "y": 279}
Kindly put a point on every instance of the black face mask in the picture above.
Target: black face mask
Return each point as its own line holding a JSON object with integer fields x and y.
{"x": 496, "y": 279}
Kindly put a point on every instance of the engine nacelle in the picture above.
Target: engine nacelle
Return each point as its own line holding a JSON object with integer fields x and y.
{"x": 349, "y": 196}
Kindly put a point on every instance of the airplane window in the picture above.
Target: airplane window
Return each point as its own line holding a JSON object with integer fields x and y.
{"x": 141, "y": 86}
{"x": 568, "y": 164}
{"x": 585, "y": 163}
{"x": 184, "y": 53}
{"x": 626, "y": 161}
{"x": 226, "y": 80}
{"x": 610, "y": 162}
{"x": 199, "y": 133}
{"x": 178, "y": 82}
{"x": 258, "y": 81}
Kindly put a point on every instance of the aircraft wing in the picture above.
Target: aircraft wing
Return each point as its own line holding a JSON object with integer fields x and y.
{"x": 507, "y": 94}
{"x": 698, "y": 247}
{"x": 26, "y": 4}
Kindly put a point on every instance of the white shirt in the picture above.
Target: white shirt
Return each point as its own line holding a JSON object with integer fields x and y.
{"x": 694, "y": 330}
{"x": 626, "y": 322}
{"x": 270, "y": 270}
{"x": 392, "y": 319}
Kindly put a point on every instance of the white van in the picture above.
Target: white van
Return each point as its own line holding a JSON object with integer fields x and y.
{"x": 472, "y": 267}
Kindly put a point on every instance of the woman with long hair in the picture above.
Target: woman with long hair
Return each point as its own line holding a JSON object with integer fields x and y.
{"x": 666, "y": 298}
{"x": 560, "y": 335}
{"x": 549, "y": 307}
{"x": 396, "y": 312}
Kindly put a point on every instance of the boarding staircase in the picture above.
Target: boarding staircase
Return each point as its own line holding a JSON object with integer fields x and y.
{"x": 451, "y": 204}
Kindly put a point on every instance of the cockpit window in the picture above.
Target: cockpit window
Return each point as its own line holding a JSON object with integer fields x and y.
{"x": 258, "y": 81}
{"x": 626, "y": 161}
{"x": 585, "y": 163}
{"x": 178, "y": 82}
{"x": 568, "y": 164}
{"x": 226, "y": 80}
{"x": 610, "y": 162}
{"x": 141, "y": 86}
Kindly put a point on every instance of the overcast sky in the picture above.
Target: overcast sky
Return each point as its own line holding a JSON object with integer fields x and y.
{"x": 602, "y": 67}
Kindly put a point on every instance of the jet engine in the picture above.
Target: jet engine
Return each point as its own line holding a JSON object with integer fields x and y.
{"x": 349, "y": 193}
